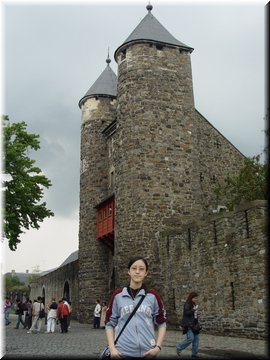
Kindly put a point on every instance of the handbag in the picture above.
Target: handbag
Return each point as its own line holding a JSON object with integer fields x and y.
{"x": 196, "y": 328}
{"x": 41, "y": 313}
{"x": 105, "y": 354}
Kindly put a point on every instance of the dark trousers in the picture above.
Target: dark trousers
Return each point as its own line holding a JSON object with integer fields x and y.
{"x": 20, "y": 320}
{"x": 64, "y": 324}
{"x": 28, "y": 321}
{"x": 96, "y": 322}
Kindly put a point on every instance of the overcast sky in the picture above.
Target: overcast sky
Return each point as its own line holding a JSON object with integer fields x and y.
{"x": 53, "y": 52}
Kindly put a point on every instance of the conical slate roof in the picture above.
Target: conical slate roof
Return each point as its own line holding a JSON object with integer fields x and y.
{"x": 150, "y": 29}
{"x": 105, "y": 85}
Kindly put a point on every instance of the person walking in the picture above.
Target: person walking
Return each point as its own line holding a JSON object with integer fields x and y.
{"x": 36, "y": 320}
{"x": 63, "y": 312}
{"x": 51, "y": 316}
{"x": 20, "y": 313}
{"x": 25, "y": 310}
{"x": 104, "y": 308}
{"x": 7, "y": 307}
{"x": 97, "y": 313}
{"x": 69, "y": 316}
{"x": 28, "y": 316}
{"x": 138, "y": 338}
{"x": 190, "y": 325}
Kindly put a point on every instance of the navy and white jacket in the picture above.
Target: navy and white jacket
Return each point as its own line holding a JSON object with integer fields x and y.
{"x": 139, "y": 335}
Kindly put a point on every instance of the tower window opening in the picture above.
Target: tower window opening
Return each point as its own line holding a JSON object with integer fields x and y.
{"x": 159, "y": 47}
{"x": 214, "y": 179}
{"x": 189, "y": 238}
{"x": 168, "y": 245}
{"x": 173, "y": 298}
{"x": 232, "y": 295}
{"x": 247, "y": 223}
{"x": 123, "y": 55}
{"x": 217, "y": 143}
{"x": 111, "y": 185}
{"x": 215, "y": 232}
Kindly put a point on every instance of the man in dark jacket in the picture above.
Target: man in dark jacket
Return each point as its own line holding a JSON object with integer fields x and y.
{"x": 19, "y": 312}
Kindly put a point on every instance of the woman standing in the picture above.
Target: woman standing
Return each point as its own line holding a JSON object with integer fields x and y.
{"x": 37, "y": 321}
{"x": 51, "y": 317}
{"x": 104, "y": 308}
{"x": 138, "y": 338}
{"x": 63, "y": 311}
{"x": 7, "y": 309}
{"x": 189, "y": 320}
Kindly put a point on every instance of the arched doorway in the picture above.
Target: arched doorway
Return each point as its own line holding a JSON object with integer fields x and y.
{"x": 66, "y": 291}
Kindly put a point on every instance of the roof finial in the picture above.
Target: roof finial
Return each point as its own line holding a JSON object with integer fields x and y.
{"x": 108, "y": 60}
{"x": 149, "y": 7}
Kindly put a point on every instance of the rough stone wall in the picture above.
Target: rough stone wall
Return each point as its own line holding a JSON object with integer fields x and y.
{"x": 166, "y": 159}
{"x": 224, "y": 259}
{"x": 56, "y": 283}
{"x": 154, "y": 149}
{"x": 97, "y": 114}
{"x": 217, "y": 159}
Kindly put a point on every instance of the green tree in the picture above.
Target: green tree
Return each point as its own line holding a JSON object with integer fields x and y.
{"x": 14, "y": 287}
{"x": 24, "y": 191}
{"x": 12, "y": 281}
{"x": 248, "y": 185}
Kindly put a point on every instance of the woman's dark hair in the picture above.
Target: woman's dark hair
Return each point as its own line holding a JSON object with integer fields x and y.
{"x": 136, "y": 258}
{"x": 191, "y": 296}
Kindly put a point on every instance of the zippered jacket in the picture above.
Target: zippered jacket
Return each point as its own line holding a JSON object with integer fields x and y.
{"x": 139, "y": 335}
{"x": 188, "y": 319}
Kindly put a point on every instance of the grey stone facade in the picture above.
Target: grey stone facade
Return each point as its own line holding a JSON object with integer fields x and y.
{"x": 223, "y": 257}
{"x": 162, "y": 153}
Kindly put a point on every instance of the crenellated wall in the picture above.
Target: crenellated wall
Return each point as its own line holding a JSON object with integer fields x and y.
{"x": 224, "y": 259}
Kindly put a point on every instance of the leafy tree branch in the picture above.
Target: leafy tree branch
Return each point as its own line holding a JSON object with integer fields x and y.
{"x": 248, "y": 185}
{"x": 24, "y": 192}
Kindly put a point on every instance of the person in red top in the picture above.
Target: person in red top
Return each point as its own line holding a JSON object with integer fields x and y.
{"x": 63, "y": 312}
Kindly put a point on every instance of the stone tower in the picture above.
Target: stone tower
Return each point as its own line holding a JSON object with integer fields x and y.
{"x": 98, "y": 111}
{"x": 149, "y": 160}
{"x": 155, "y": 152}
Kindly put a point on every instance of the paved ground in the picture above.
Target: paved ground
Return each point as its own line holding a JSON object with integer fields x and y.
{"x": 84, "y": 342}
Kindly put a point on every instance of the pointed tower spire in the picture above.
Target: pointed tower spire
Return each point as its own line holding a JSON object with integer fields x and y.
{"x": 149, "y": 7}
{"x": 108, "y": 60}
{"x": 151, "y": 30}
{"x": 105, "y": 85}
